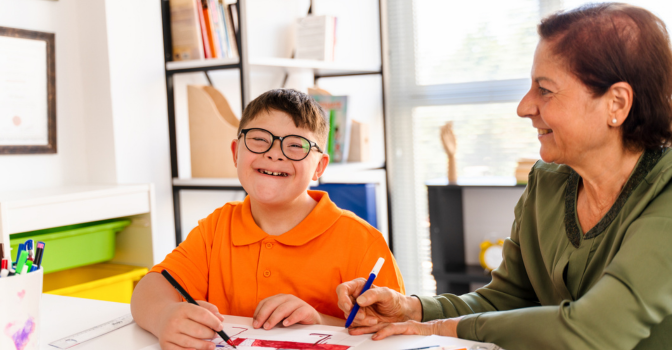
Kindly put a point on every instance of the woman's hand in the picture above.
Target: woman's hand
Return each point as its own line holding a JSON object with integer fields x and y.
{"x": 184, "y": 326}
{"x": 446, "y": 328}
{"x": 292, "y": 310}
{"x": 377, "y": 305}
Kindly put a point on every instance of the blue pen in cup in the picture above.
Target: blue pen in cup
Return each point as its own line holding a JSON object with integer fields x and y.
{"x": 367, "y": 285}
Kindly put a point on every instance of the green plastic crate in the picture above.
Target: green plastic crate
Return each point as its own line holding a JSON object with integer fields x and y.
{"x": 75, "y": 245}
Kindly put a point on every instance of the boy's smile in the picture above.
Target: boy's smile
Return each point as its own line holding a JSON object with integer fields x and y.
{"x": 271, "y": 178}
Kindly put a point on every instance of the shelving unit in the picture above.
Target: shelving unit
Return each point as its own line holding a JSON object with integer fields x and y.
{"x": 22, "y": 211}
{"x": 245, "y": 65}
{"x": 446, "y": 216}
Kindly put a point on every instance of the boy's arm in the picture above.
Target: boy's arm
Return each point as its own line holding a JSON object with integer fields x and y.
{"x": 157, "y": 307}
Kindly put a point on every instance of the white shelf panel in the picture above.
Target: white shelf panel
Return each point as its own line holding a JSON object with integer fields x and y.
{"x": 202, "y": 181}
{"x": 318, "y": 67}
{"x": 215, "y": 182}
{"x": 211, "y": 62}
{"x": 350, "y": 169}
{"x": 23, "y": 211}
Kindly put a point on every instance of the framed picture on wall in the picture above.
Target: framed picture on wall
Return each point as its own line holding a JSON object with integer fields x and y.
{"x": 27, "y": 92}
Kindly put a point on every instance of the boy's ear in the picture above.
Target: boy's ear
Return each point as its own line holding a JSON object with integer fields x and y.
{"x": 321, "y": 166}
{"x": 234, "y": 151}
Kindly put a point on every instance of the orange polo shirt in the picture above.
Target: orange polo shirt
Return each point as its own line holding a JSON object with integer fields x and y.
{"x": 229, "y": 261}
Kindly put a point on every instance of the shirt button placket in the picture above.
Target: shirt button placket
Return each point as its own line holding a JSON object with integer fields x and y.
{"x": 268, "y": 245}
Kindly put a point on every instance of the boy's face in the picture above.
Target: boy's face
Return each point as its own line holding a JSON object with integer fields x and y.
{"x": 274, "y": 189}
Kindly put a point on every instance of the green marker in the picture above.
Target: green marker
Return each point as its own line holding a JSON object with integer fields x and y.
{"x": 21, "y": 262}
{"x": 29, "y": 265}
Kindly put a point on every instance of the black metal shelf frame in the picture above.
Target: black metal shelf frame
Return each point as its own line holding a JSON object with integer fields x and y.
{"x": 169, "y": 75}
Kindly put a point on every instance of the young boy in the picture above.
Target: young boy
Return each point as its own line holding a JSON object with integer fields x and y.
{"x": 279, "y": 255}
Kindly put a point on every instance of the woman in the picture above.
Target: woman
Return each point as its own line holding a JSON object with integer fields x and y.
{"x": 589, "y": 261}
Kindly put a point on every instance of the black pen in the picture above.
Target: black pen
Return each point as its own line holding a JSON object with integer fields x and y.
{"x": 191, "y": 300}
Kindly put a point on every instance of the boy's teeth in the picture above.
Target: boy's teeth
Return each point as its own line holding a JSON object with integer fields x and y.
{"x": 273, "y": 173}
{"x": 544, "y": 131}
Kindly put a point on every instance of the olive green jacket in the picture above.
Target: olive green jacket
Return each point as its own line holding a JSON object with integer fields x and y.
{"x": 560, "y": 289}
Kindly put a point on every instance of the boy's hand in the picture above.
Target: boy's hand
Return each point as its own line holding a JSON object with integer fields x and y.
{"x": 287, "y": 307}
{"x": 184, "y": 326}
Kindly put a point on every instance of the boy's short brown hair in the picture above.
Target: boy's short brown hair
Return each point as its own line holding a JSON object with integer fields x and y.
{"x": 302, "y": 108}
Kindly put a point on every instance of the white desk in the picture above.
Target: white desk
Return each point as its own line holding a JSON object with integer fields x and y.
{"x": 64, "y": 316}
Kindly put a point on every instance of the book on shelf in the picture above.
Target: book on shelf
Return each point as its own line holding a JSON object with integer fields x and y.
{"x": 231, "y": 27}
{"x": 184, "y": 28}
{"x": 217, "y": 28}
{"x": 339, "y": 126}
{"x": 203, "y": 29}
{"x": 233, "y": 10}
{"x": 316, "y": 38}
{"x": 207, "y": 19}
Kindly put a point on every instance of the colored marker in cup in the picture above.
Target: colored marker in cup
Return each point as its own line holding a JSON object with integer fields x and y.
{"x": 21, "y": 262}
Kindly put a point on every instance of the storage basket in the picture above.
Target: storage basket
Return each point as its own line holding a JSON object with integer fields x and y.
{"x": 75, "y": 245}
{"x": 108, "y": 282}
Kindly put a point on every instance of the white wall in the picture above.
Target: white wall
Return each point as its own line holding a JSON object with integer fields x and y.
{"x": 139, "y": 109}
{"x": 487, "y": 215}
{"x": 68, "y": 166}
{"x": 111, "y": 101}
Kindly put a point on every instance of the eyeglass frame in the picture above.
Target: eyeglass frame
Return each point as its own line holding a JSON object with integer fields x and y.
{"x": 312, "y": 144}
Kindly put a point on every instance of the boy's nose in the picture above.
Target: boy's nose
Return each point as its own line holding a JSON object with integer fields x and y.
{"x": 276, "y": 151}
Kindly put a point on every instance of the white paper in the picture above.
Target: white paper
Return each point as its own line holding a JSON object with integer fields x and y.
{"x": 319, "y": 337}
{"x": 23, "y": 92}
{"x": 293, "y": 337}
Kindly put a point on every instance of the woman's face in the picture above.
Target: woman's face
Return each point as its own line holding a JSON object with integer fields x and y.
{"x": 570, "y": 121}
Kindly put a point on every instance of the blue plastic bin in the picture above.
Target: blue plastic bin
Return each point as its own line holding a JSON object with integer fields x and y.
{"x": 357, "y": 198}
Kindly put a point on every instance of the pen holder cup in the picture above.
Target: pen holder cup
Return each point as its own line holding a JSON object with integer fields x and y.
{"x": 20, "y": 311}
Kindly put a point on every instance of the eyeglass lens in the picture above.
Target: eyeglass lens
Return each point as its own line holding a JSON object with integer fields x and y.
{"x": 260, "y": 141}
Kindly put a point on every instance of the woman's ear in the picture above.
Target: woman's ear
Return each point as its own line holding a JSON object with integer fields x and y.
{"x": 321, "y": 166}
{"x": 234, "y": 152}
{"x": 620, "y": 97}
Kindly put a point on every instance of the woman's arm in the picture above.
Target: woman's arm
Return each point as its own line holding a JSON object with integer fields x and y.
{"x": 618, "y": 312}
{"x": 633, "y": 296}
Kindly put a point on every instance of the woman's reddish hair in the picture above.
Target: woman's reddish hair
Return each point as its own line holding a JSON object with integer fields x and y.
{"x": 607, "y": 43}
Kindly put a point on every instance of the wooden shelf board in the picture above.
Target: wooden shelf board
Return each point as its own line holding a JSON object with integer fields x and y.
{"x": 356, "y": 172}
{"x": 211, "y": 62}
{"x": 208, "y": 182}
{"x": 318, "y": 67}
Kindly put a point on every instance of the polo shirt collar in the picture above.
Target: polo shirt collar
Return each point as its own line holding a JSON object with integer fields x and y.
{"x": 244, "y": 231}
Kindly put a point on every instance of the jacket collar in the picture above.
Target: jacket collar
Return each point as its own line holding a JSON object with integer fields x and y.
{"x": 244, "y": 231}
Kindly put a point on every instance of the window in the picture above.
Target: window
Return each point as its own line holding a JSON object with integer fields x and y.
{"x": 466, "y": 62}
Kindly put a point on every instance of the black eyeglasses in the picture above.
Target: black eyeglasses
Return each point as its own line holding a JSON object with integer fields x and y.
{"x": 294, "y": 147}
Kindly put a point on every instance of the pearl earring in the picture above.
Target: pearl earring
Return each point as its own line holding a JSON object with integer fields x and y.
{"x": 614, "y": 121}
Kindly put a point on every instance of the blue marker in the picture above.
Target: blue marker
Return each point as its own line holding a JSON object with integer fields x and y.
{"x": 367, "y": 285}
{"x": 22, "y": 247}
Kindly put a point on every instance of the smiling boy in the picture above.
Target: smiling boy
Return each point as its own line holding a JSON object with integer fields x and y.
{"x": 278, "y": 255}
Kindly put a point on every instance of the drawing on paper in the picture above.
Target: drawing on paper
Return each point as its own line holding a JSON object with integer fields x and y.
{"x": 245, "y": 337}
